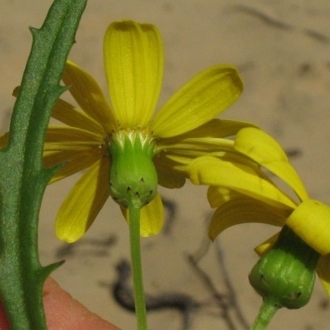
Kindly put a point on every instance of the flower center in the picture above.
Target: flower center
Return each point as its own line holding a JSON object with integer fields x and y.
{"x": 133, "y": 176}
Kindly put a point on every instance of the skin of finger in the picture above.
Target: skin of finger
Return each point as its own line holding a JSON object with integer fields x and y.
{"x": 63, "y": 312}
{"x": 4, "y": 325}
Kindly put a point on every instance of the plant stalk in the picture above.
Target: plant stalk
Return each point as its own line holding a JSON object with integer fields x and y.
{"x": 266, "y": 313}
{"x": 139, "y": 298}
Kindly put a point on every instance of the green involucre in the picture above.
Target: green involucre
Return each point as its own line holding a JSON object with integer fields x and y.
{"x": 133, "y": 176}
{"x": 286, "y": 274}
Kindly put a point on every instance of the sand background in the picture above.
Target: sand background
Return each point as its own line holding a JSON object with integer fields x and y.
{"x": 282, "y": 49}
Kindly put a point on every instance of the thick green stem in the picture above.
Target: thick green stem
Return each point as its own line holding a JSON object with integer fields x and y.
{"x": 140, "y": 306}
{"x": 266, "y": 313}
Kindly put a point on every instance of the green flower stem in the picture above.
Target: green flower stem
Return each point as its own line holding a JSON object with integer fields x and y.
{"x": 22, "y": 176}
{"x": 140, "y": 306}
{"x": 266, "y": 313}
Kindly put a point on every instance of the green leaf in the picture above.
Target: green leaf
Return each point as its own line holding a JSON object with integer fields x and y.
{"x": 22, "y": 177}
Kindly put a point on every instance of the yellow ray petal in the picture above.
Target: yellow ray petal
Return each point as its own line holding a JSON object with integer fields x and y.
{"x": 168, "y": 176}
{"x": 70, "y": 115}
{"x": 244, "y": 210}
{"x": 200, "y": 100}
{"x": 217, "y": 195}
{"x": 133, "y": 56}
{"x": 70, "y": 134}
{"x": 202, "y": 145}
{"x": 266, "y": 245}
{"x": 152, "y": 217}
{"x": 83, "y": 203}
{"x": 263, "y": 149}
{"x": 74, "y": 162}
{"x": 89, "y": 96}
{"x": 184, "y": 157}
{"x": 239, "y": 177}
{"x": 311, "y": 222}
{"x": 215, "y": 128}
{"x": 67, "y": 146}
{"x": 323, "y": 271}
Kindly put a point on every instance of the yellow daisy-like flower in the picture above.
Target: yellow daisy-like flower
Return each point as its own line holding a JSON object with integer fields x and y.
{"x": 129, "y": 151}
{"x": 244, "y": 194}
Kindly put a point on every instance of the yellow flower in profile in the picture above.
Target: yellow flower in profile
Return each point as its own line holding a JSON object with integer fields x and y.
{"x": 126, "y": 147}
{"x": 243, "y": 193}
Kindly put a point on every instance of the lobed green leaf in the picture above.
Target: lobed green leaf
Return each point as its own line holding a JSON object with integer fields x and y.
{"x": 22, "y": 177}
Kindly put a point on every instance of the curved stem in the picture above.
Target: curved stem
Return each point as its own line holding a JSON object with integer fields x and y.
{"x": 139, "y": 299}
{"x": 266, "y": 313}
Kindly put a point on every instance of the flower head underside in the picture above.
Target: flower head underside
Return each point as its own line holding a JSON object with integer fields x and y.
{"x": 98, "y": 131}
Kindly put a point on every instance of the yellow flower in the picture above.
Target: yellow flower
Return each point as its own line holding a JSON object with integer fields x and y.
{"x": 105, "y": 138}
{"x": 242, "y": 193}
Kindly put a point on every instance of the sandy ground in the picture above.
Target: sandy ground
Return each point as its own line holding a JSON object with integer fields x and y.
{"x": 282, "y": 49}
